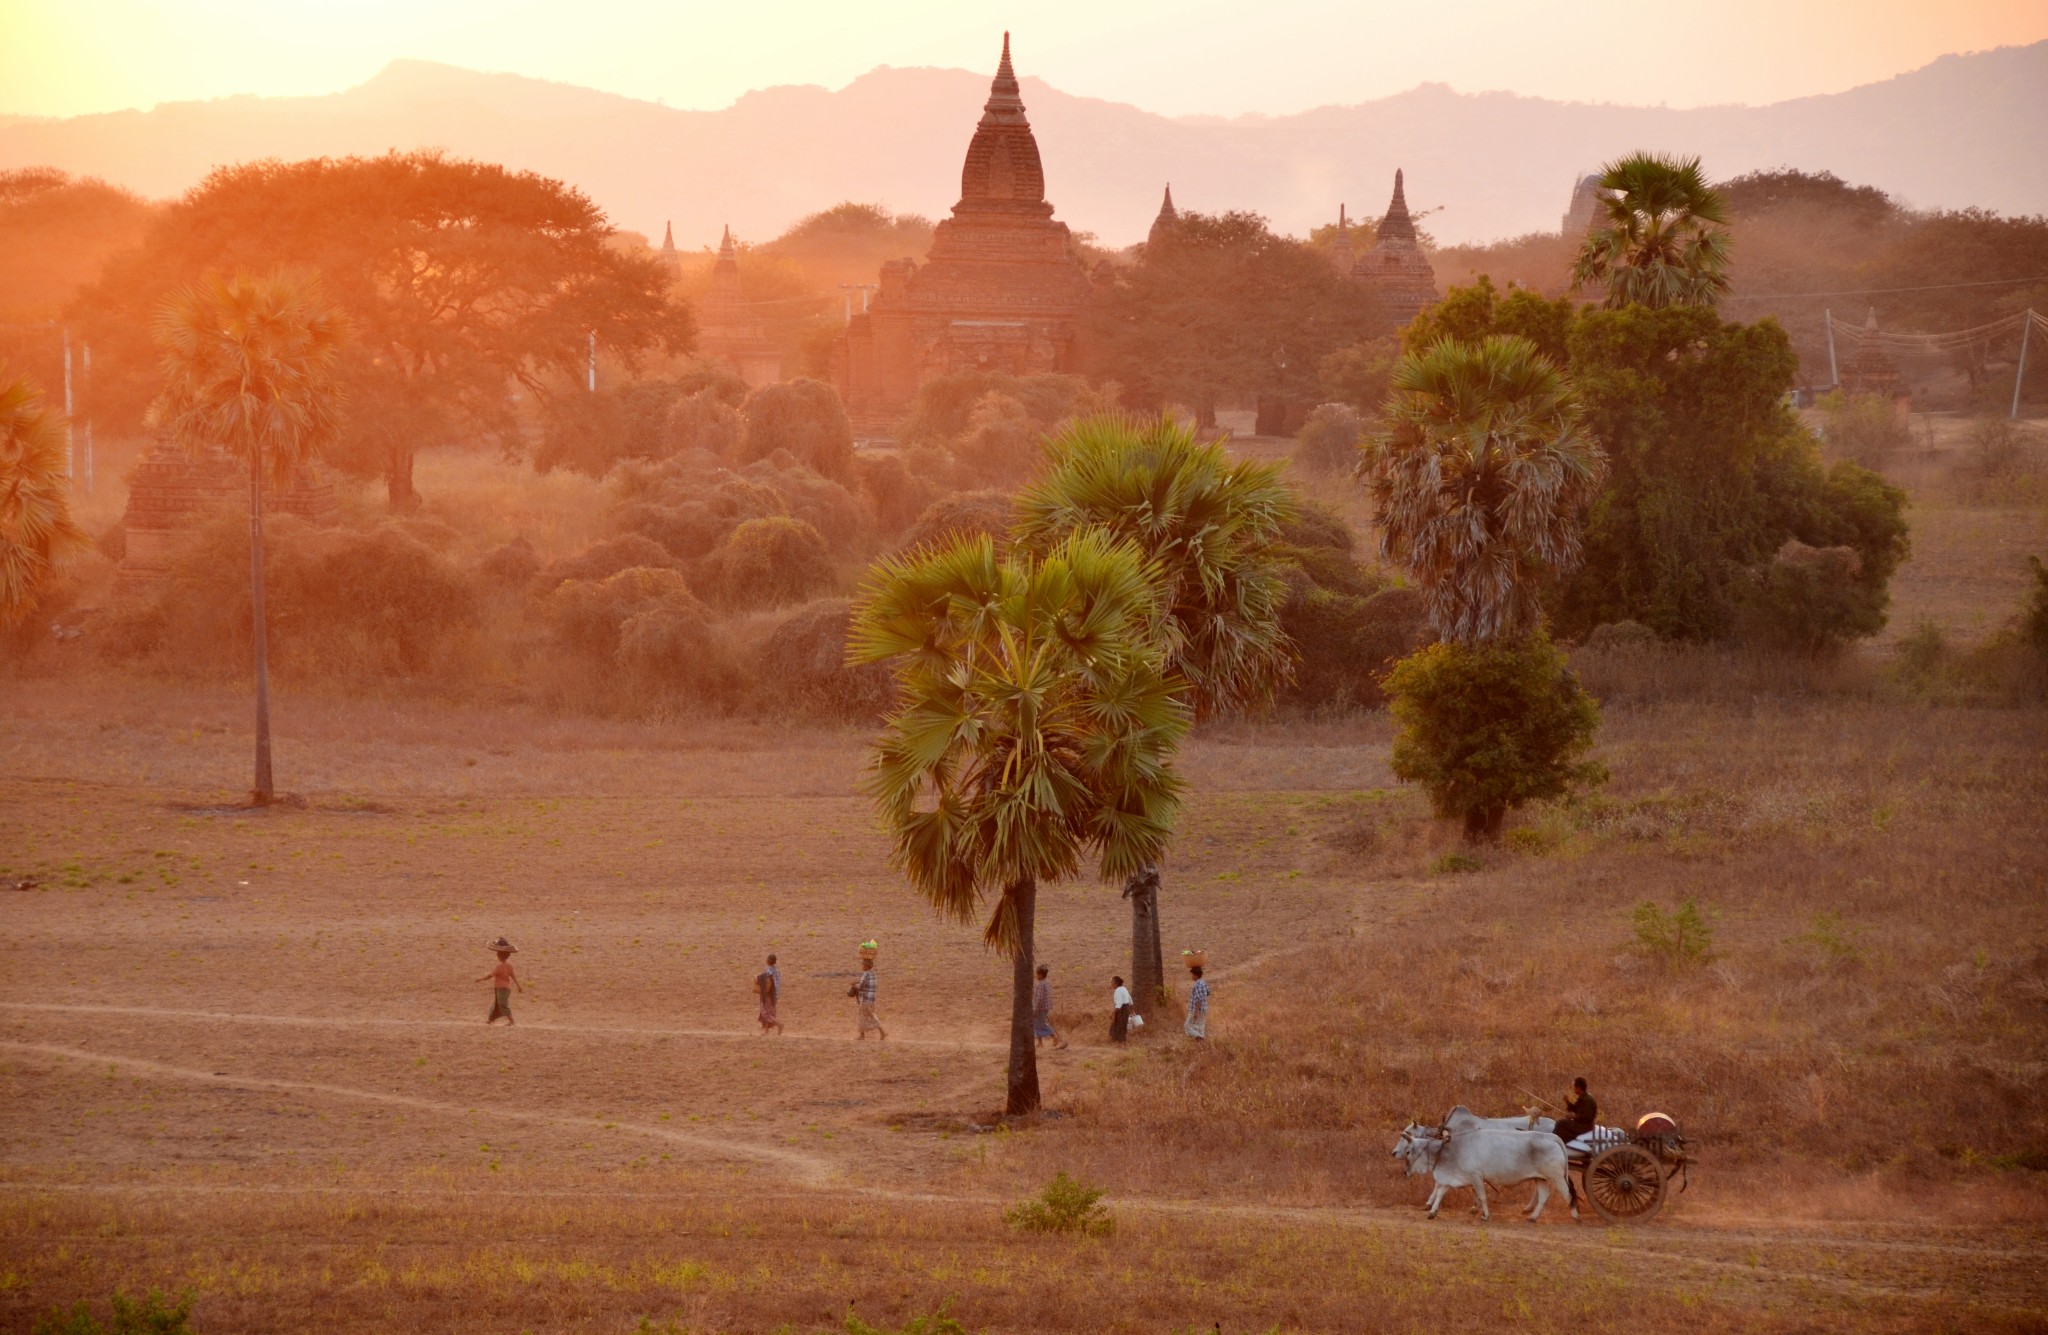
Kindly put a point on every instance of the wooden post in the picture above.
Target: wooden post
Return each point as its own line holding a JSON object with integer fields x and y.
{"x": 2019, "y": 375}
{"x": 258, "y": 630}
{"x": 69, "y": 463}
{"x": 1834, "y": 372}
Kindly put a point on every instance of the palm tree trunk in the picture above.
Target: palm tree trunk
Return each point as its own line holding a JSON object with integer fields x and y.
{"x": 398, "y": 490}
{"x": 1148, "y": 967}
{"x": 259, "y": 631}
{"x": 1023, "y": 1074}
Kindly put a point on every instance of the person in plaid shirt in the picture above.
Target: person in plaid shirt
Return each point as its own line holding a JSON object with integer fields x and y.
{"x": 863, "y": 991}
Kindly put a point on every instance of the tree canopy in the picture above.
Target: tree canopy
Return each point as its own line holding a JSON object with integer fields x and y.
{"x": 469, "y": 286}
{"x": 35, "y": 498}
{"x": 1661, "y": 238}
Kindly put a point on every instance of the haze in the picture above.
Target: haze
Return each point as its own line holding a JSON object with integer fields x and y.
{"x": 1175, "y": 59}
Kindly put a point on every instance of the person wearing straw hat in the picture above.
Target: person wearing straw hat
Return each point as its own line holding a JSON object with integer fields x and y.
{"x": 502, "y": 980}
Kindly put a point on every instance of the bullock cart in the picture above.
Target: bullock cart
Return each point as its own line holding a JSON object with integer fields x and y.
{"x": 1625, "y": 1174}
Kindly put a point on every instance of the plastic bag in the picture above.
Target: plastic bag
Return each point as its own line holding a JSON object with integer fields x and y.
{"x": 1137, "y": 1022}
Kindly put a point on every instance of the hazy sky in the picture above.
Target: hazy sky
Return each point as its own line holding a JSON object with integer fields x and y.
{"x": 63, "y": 57}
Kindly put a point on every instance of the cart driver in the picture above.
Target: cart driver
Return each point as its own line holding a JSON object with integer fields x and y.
{"x": 1580, "y": 1113}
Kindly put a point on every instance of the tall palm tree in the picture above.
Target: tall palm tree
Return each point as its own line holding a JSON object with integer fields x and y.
{"x": 1036, "y": 728}
{"x": 1481, "y": 479}
{"x": 248, "y": 366}
{"x": 1664, "y": 241}
{"x": 35, "y": 509}
{"x": 1206, "y": 526}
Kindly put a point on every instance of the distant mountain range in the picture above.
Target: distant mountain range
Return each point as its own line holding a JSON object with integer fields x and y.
{"x": 1965, "y": 130}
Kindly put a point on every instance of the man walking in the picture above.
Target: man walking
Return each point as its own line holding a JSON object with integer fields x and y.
{"x": 768, "y": 987}
{"x": 1041, "y": 1010}
{"x": 863, "y": 991}
{"x": 1197, "y": 1025}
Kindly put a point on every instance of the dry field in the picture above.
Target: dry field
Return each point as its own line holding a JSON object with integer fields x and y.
{"x": 242, "y": 1057}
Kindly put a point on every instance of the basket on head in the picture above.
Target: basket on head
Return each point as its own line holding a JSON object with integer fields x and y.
{"x": 1195, "y": 959}
{"x": 868, "y": 950}
{"x": 502, "y": 944}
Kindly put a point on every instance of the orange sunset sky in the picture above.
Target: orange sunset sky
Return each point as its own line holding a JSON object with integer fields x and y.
{"x": 67, "y": 57}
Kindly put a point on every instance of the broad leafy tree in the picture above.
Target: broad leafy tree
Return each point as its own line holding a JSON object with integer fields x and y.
{"x": 1035, "y": 734}
{"x": 471, "y": 290}
{"x": 1662, "y": 239}
{"x": 1207, "y": 527}
{"x": 250, "y": 366}
{"x": 1222, "y": 308}
{"x": 35, "y": 501}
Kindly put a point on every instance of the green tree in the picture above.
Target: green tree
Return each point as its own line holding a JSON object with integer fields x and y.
{"x": 1488, "y": 727}
{"x": 1036, "y": 727}
{"x": 35, "y": 504}
{"x": 1224, "y": 308}
{"x": 1206, "y": 527}
{"x": 1665, "y": 238}
{"x": 1481, "y": 480}
{"x": 249, "y": 365}
{"x": 470, "y": 288}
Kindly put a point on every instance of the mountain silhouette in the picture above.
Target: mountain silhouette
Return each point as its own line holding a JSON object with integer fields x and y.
{"x": 1964, "y": 130}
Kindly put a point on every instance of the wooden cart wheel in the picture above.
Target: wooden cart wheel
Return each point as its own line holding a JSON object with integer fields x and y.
{"x": 1625, "y": 1184}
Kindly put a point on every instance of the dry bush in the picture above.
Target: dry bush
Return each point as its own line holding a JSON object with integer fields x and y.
{"x": 1328, "y": 441}
{"x": 601, "y": 560}
{"x": 967, "y": 514}
{"x": 824, "y": 504}
{"x": 1642, "y": 672}
{"x": 1866, "y": 428}
{"x": 685, "y": 531}
{"x": 803, "y": 418}
{"x": 674, "y": 657}
{"x": 767, "y": 563}
{"x": 2001, "y": 463}
{"x": 900, "y": 487}
{"x": 510, "y": 566}
{"x": 802, "y": 665}
{"x": 590, "y": 615}
{"x": 1000, "y": 445}
{"x": 705, "y": 421}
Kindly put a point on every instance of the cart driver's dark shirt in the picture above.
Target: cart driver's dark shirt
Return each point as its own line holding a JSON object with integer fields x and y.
{"x": 1582, "y": 1108}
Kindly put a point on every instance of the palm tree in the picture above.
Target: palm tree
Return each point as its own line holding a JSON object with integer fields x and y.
{"x": 1665, "y": 242}
{"x": 248, "y": 366}
{"x": 35, "y": 511}
{"x": 1206, "y": 526}
{"x": 1036, "y": 727}
{"x": 1481, "y": 480}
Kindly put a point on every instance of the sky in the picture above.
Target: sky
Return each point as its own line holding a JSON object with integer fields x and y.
{"x": 1177, "y": 57}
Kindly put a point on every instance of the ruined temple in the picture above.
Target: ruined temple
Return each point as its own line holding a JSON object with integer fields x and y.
{"x": 1395, "y": 266}
{"x": 728, "y": 331}
{"x": 1583, "y": 214}
{"x": 1869, "y": 370}
{"x": 173, "y": 493}
{"x": 1001, "y": 290}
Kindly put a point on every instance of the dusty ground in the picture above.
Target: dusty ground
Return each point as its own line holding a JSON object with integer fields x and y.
{"x": 242, "y": 1056}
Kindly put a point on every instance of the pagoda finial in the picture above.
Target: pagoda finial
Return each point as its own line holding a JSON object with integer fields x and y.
{"x": 1341, "y": 224}
{"x": 1400, "y": 201}
{"x": 1005, "y": 98}
{"x": 725, "y": 243}
{"x": 1168, "y": 217}
{"x": 668, "y": 238}
{"x": 1397, "y": 228}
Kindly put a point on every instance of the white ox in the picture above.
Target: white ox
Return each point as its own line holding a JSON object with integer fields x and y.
{"x": 1474, "y": 1158}
{"x": 1462, "y": 1118}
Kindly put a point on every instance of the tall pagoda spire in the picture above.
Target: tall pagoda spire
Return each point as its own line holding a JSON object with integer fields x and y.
{"x": 1397, "y": 225}
{"x": 1167, "y": 219}
{"x": 1340, "y": 250}
{"x": 668, "y": 238}
{"x": 1395, "y": 266}
{"x": 1002, "y": 172}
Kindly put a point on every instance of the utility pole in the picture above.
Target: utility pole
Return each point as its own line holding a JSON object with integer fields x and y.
{"x": 88, "y": 419}
{"x": 590, "y": 377}
{"x": 1834, "y": 372}
{"x": 69, "y": 449}
{"x": 2020, "y": 374}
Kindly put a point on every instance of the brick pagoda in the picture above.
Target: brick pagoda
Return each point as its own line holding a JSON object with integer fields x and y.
{"x": 172, "y": 493}
{"x": 1001, "y": 290}
{"x": 1395, "y": 266}
{"x": 727, "y": 331}
{"x": 1869, "y": 370}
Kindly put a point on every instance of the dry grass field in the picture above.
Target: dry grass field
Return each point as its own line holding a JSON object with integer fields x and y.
{"x": 242, "y": 1057}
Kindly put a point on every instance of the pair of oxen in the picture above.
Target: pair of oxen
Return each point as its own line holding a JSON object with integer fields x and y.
{"x": 1468, "y": 1150}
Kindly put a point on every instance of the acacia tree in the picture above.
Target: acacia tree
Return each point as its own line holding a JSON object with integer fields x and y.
{"x": 1481, "y": 481}
{"x": 469, "y": 286}
{"x": 1206, "y": 527}
{"x": 1665, "y": 238}
{"x": 35, "y": 509}
{"x": 1037, "y": 727}
{"x": 249, "y": 366}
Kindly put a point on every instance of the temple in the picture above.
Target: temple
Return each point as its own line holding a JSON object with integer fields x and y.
{"x": 670, "y": 259}
{"x": 728, "y": 331}
{"x": 1584, "y": 213}
{"x": 1168, "y": 219}
{"x": 173, "y": 493}
{"x": 1001, "y": 290}
{"x": 1869, "y": 370}
{"x": 1395, "y": 266}
{"x": 1340, "y": 249}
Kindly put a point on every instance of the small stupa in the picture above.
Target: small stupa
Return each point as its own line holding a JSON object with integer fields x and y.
{"x": 1396, "y": 266}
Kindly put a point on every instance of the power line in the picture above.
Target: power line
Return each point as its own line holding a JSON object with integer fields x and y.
{"x": 1879, "y": 291}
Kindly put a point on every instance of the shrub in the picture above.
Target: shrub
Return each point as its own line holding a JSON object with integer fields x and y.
{"x": 1681, "y": 937}
{"x": 1488, "y": 728}
{"x": 1622, "y": 637}
{"x": 803, "y": 417}
{"x": 588, "y": 615}
{"x": 769, "y": 562}
{"x": 589, "y": 433}
{"x": 1455, "y": 864}
{"x": 1000, "y": 444}
{"x": 672, "y": 652}
{"x": 966, "y": 514}
{"x": 1358, "y": 376}
{"x": 704, "y": 421}
{"x": 1866, "y": 428}
{"x": 510, "y": 566}
{"x": 819, "y": 501}
{"x": 687, "y": 531}
{"x": 1065, "y": 1206}
{"x": 602, "y": 560}
{"x": 897, "y": 493}
{"x": 151, "y": 1315}
{"x": 1836, "y": 940}
{"x": 1328, "y": 440}
{"x": 944, "y": 408}
{"x": 1344, "y": 643}
{"x": 1811, "y": 599}
{"x": 936, "y": 1323}
{"x": 803, "y": 662}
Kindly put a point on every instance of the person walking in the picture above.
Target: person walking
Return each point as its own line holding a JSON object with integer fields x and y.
{"x": 768, "y": 987}
{"x": 1197, "y": 1025}
{"x": 863, "y": 991}
{"x": 1121, "y": 1004}
{"x": 1041, "y": 1010}
{"x": 502, "y": 981}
